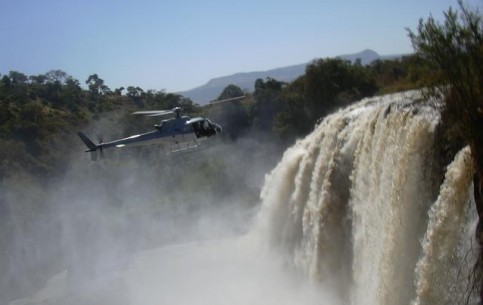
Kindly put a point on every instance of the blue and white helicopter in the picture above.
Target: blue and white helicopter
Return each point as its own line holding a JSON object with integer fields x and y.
{"x": 178, "y": 134}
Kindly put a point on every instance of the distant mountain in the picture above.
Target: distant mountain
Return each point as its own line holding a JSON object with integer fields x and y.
{"x": 246, "y": 81}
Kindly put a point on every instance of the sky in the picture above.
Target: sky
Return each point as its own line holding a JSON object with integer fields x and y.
{"x": 177, "y": 45}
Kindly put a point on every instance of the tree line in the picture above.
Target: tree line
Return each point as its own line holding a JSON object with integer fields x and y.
{"x": 38, "y": 112}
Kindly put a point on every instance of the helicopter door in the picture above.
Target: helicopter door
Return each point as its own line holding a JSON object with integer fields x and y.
{"x": 198, "y": 129}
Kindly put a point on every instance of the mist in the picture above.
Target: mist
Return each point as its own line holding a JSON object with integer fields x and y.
{"x": 364, "y": 210}
{"x": 140, "y": 227}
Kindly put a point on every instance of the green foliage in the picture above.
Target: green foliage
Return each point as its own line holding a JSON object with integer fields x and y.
{"x": 234, "y": 118}
{"x": 15, "y": 160}
{"x": 328, "y": 84}
{"x": 333, "y": 83}
{"x": 294, "y": 118}
{"x": 136, "y": 95}
{"x": 39, "y": 112}
{"x": 230, "y": 91}
{"x": 287, "y": 111}
{"x": 96, "y": 85}
{"x": 453, "y": 53}
{"x": 398, "y": 74}
{"x": 233, "y": 115}
{"x": 267, "y": 103}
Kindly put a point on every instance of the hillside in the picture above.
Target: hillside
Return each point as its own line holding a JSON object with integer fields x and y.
{"x": 246, "y": 80}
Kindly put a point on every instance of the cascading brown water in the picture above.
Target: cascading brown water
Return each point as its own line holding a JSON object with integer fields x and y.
{"x": 359, "y": 205}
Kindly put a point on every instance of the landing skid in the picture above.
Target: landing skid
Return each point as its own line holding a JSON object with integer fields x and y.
{"x": 184, "y": 148}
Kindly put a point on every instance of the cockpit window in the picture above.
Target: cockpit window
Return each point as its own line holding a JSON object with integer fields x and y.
{"x": 203, "y": 128}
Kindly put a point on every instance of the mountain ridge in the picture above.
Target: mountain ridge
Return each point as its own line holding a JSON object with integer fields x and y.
{"x": 246, "y": 80}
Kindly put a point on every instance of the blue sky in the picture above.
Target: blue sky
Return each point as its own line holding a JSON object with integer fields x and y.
{"x": 180, "y": 44}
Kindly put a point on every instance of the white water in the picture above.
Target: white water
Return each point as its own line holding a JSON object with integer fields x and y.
{"x": 358, "y": 206}
{"x": 356, "y": 213}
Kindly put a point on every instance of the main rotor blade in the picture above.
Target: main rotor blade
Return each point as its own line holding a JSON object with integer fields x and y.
{"x": 225, "y": 100}
{"x": 154, "y": 112}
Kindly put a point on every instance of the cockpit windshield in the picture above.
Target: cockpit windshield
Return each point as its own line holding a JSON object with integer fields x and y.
{"x": 203, "y": 128}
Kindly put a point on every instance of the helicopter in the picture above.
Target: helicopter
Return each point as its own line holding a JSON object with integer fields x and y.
{"x": 179, "y": 134}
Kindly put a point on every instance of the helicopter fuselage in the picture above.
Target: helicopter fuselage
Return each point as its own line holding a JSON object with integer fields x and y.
{"x": 177, "y": 134}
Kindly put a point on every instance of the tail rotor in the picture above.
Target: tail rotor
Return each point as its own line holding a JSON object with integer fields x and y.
{"x": 92, "y": 148}
{"x": 100, "y": 140}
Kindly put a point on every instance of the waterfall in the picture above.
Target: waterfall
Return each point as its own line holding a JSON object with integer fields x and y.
{"x": 362, "y": 206}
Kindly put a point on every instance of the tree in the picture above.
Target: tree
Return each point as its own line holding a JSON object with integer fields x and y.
{"x": 37, "y": 79}
{"x": 72, "y": 94}
{"x": 230, "y": 91}
{"x": 6, "y": 82}
{"x": 327, "y": 84}
{"x": 135, "y": 94}
{"x": 17, "y": 77}
{"x": 267, "y": 96}
{"x": 57, "y": 76}
{"x": 454, "y": 52}
{"x": 294, "y": 118}
{"x": 233, "y": 116}
{"x": 16, "y": 84}
{"x": 333, "y": 83}
{"x": 96, "y": 85}
{"x": 398, "y": 74}
{"x": 118, "y": 91}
